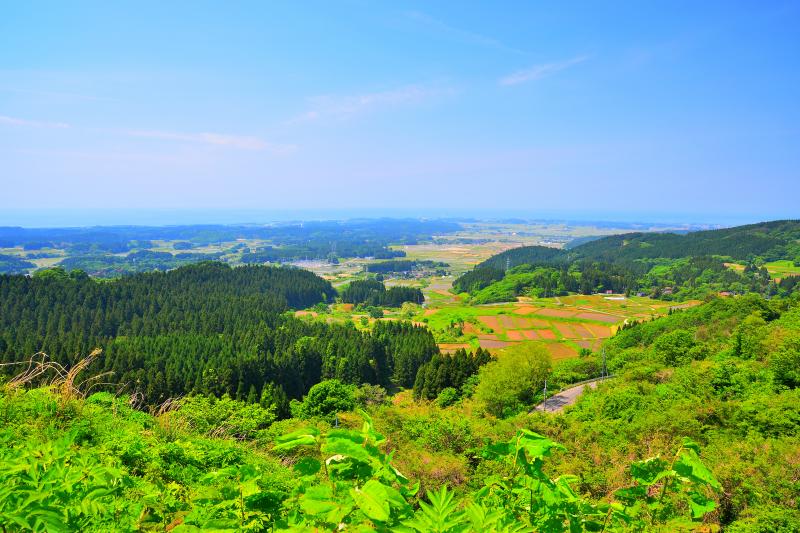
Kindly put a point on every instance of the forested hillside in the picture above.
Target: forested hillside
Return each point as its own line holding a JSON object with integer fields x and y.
{"x": 373, "y": 292}
{"x": 698, "y": 431}
{"x": 667, "y": 265}
{"x": 203, "y": 328}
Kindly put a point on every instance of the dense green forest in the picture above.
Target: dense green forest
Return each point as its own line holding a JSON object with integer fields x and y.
{"x": 661, "y": 265}
{"x": 698, "y": 430}
{"x": 374, "y": 293}
{"x": 205, "y": 328}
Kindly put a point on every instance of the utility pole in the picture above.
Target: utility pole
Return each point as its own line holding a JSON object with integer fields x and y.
{"x": 544, "y": 403}
{"x": 605, "y": 371}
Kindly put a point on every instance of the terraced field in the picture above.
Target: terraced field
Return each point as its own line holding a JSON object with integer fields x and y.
{"x": 564, "y": 325}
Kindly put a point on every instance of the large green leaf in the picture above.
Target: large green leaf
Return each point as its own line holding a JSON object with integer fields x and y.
{"x": 302, "y": 437}
{"x": 536, "y": 446}
{"x": 373, "y": 500}
{"x": 650, "y": 471}
{"x": 700, "y": 505}
{"x": 350, "y": 444}
{"x": 689, "y": 466}
{"x": 307, "y": 466}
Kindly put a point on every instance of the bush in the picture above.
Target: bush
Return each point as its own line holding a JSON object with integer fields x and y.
{"x": 326, "y": 399}
{"x": 224, "y": 416}
{"x": 447, "y": 397}
{"x": 508, "y": 384}
{"x": 370, "y": 395}
{"x": 673, "y": 347}
{"x": 785, "y": 362}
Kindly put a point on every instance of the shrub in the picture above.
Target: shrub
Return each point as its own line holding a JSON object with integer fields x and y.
{"x": 447, "y": 397}
{"x": 508, "y": 384}
{"x": 673, "y": 347}
{"x": 325, "y": 399}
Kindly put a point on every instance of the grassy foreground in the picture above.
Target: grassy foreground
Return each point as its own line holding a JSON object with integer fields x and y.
{"x": 699, "y": 431}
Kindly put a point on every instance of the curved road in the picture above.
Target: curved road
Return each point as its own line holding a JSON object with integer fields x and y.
{"x": 557, "y": 402}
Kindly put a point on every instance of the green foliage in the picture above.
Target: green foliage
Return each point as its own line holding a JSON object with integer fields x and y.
{"x": 325, "y": 399}
{"x": 447, "y": 397}
{"x": 508, "y": 384}
{"x": 785, "y": 362}
{"x": 673, "y": 348}
{"x": 448, "y": 371}
{"x": 374, "y": 293}
{"x": 51, "y": 486}
{"x": 224, "y": 416}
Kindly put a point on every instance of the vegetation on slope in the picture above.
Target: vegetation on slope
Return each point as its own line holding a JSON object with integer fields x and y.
{"x": 662, "y": 265}
{"x": 205, "y": 328}
{"x": 719, "y": 381}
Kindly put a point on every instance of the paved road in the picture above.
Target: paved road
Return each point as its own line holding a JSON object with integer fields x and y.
{"x": 557, "y": 402}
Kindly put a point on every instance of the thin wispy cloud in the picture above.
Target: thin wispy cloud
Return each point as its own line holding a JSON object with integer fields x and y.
{"x": 458, "y": 33}
{"x": 346, "y": 106}
{"x": 241, "y": 142}
{"x": 539, "y": 72}
{"x": 13, "y": 121}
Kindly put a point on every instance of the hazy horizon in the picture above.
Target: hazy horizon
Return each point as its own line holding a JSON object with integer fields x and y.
{"x": 60, "y": 218}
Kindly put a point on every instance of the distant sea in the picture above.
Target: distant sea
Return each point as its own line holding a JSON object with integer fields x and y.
{"x": 49, "y": 218}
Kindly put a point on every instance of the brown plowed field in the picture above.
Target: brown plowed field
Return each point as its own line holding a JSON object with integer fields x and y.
{"x": 490, "y": 344}
{"x": 600, "y": 317}
{"x": 525, "y": 323}
{"x": 601, "y": 332}
{"x": 560, "y": 351}
{"x": 565, "y": 330}
{"x": 556, "y": 312}
{"x": 490, "y": 321}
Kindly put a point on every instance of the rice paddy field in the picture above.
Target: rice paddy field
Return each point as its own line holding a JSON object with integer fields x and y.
{"x": 781, "y": 269}
{"x": 564, "y": 325}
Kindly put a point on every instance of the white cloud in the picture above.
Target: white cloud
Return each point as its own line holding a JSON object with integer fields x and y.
{"x": 458, "y": 33}
{"x": 538, "y": 72}
{"x": 346, "y": 106}
{"x": 31, "y": 123}
{"x": 241, "y": 142}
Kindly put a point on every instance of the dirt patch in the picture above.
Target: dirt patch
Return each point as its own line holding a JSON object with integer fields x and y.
{"x": 556, "y": 312}
{"x": 601, "y": 332}
{"x": 546, "y": 334}
{"x": 599, "y": 317}
{"x": 347, "y": 307}
{"x": 507, "y": 322}
{"x": 582, "y": 332}
{"x": 561, "y": 351}
{"x": 306, "y": 313}
{"x": 531, "y": 335}
{"x": 529, "y": 323}
{"x": 492, "y": 344}
{"x": 565, "y": 330}
{"x": 515, "y": 335}
{"x": 448, "y": 347}
{"x": 487, "y": 336}
{"x": 429, "y": 312}
{"x": 526, "y": 310}
{"x": 491, "y": 321}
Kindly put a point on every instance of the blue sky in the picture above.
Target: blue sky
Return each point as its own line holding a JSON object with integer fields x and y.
{"x": 690, "y": 108}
